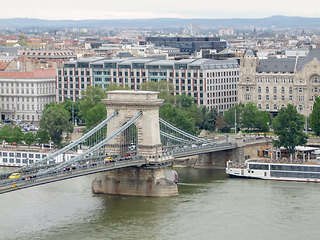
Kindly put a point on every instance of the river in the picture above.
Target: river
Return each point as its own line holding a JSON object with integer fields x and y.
{"x": 210, "y": 205}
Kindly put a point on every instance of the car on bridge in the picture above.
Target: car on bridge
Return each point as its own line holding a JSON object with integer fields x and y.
{"x": 14, "y": 175}
{"x": 108, "y": 160}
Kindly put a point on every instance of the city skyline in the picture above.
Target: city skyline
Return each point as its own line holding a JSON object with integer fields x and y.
{"x": 98, "y": 9}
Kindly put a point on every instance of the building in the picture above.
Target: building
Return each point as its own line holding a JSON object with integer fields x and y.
{"x": 189, "y": 44}
{"x": 213, "y": 83}
{"x": 23, "y": 95}
{"x": 273, "y": 83}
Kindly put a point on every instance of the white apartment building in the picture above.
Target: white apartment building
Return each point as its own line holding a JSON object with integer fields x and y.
{"x": 213, "y": 83}
{"x": 23, "y": 95}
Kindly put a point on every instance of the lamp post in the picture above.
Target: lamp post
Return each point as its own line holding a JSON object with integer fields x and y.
{"x": 235, "y": 121}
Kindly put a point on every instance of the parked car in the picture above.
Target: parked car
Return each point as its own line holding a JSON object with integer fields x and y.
{"x": 80, "y": 130}
{"x": 8, "y": 120}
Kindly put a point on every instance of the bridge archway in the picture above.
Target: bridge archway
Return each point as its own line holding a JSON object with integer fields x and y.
{"x": 128, "y": 140}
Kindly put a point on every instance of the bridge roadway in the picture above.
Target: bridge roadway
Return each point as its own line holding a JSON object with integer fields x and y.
{"x": 87, "y": 166}
{"x": 204, "y": 148}
{"x": 26, "y": 181}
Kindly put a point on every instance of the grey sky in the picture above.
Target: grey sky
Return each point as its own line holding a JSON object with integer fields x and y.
{"x": 102, "y": 9}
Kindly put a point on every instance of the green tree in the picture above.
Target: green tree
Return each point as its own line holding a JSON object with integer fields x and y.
{"x": 288, "y": 126}
{"x": 29, "y": 138}
{"x": 210, "y": 123}
{"x": 42, "y": 136}
{"x": 229, "y": 116}
{"x": 250, "y": 116}
{"x": 263, "y": 122}
{"x": 314, "y": 118}
{"x": 68, "y": 105}
{"x": 164, "y": 88}
{"x": 5, "y": 133}
{"x": 17, "y": 135}
{"x": 179, "y": 118}
{"x": 91, "y": 97}
{"x": 95, "y": 115}
{"x": 56, "y": 121}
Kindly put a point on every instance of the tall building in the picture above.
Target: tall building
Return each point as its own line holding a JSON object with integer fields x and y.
{"x": 213, "y": 83}
{"x": 23, "y": 95}
{"x": 275, "y": 82}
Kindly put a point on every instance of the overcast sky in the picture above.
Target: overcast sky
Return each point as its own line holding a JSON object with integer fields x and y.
{"x": 128, "y": 9}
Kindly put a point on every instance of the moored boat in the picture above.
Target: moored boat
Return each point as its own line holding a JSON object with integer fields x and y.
{"x": 304, "y": 166}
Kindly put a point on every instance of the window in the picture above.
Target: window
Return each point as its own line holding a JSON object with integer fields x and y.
{"x": 259, "y": 97}
{"x": 267, "y": 97}
{"x": 300, "y": 107}
{"x": 290, "y": 90}
{"x": 267, "y": 106}
{"x": 275, "y": 106}
{"x": 267, "y": 89}
{"x": 275, "y": 89}
{"x": 300, "y": 90}
{"x": 259, "y": 89}
{"x": 290, "y": 98}
{"x": 275, "y": 97}
{"x": 282, "y": 90}
{"x": 282, "y": 98}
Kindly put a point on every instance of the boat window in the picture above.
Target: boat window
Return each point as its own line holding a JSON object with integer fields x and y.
{"x": 258, "y": 166}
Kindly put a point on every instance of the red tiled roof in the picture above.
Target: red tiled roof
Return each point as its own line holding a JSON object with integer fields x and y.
{"x": 38, "y": 73}
{"x": 9, "y": 37}
{"x": 3, "y": 65}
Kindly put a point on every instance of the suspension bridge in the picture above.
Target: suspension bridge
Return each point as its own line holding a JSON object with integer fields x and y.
{"x": 132, "y": 140}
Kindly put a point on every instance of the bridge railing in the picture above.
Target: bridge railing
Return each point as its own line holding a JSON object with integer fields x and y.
{"x": 88, "y": 168}
{"x": 204, "y": 147}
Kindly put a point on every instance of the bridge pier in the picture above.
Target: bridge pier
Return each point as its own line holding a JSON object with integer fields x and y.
{"x": 135, "y": 181}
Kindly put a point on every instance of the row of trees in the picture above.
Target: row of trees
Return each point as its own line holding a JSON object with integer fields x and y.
{"x": 13, "y": 134}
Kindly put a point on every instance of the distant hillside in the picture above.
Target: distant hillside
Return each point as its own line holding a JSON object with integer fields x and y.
{"x": 274, "y": 21}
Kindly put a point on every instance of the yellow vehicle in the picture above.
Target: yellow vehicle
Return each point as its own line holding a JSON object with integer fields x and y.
{"x": 14, "y": 175}
{"x": 108, "y": 160}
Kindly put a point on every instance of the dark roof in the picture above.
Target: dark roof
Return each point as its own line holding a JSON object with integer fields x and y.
{"x": 313, "y": 53}
{"x": 276, "y": 65}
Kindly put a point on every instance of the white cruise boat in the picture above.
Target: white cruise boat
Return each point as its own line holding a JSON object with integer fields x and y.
{"x": 11, "y": 158}
{"x": 303, "y": 169}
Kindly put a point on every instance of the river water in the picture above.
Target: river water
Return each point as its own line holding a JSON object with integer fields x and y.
{"x": 210, "y": 205}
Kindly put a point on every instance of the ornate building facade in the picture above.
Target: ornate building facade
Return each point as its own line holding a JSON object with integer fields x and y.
{"x": 275, "y": 82}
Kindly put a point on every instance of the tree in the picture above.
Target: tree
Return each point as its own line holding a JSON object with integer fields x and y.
{"x": 91, "y": 97}
{"x": 179, "y": 118}
{"x": 288, "y": 126}
{"x": 164, "y": 88}
{"x": 17, "y": 135}
{"x": 250, "y": 116}
{"x": 229, "y": 116}
{"x": 264, "y": 122}
{"x": 210, "y": 123}
{"x": 56, "y": 121}
{"x": 95, "y": 115}
{"x": 314, "y": 118}
{"x": 43, "y": 136}
{"x": 5, "y": 133}
{"x": 72, "y": 108}
{"x": 29, "y": 138}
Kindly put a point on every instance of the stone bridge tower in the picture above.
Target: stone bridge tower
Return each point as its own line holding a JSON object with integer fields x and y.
{"x": 128, "y": 104}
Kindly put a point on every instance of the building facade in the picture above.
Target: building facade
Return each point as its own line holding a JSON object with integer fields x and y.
{"x": 275, "y": 82}
{"x": 23, "y": 95}
{"x": 213, "y": 83}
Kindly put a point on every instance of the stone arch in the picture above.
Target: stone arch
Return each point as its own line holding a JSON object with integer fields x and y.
{"x": 131, "y": 135}
{"x": 314, "y": 79}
